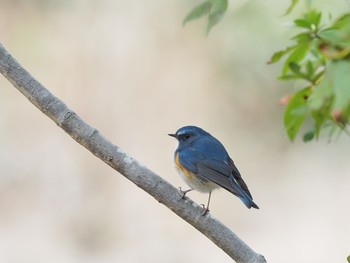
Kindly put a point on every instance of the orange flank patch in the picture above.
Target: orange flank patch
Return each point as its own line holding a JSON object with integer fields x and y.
{"x": 183, "y": 170}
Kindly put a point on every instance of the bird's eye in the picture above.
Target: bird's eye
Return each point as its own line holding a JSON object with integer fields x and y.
{"x": 187, "y": 136}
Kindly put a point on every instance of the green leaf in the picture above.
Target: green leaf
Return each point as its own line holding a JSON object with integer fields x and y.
{"x": 217, "y": 12}
{"x": 295, "y": 112}
{"x": 303, "y": 37}
{"x": 302, "y": 23}
{"x": 309, "y": 69}
{"x": 316, "y": 79}
{"x": 348, "y": 259}
{"x": 345, "y": 117}
{"x": 288, "y": 77}
{"x": 279, "y": 54}
{"x": 291, "y": 7}
{"x": 320, "y": 103}
{"x": 296, "y": 56}
{"x": 337, "y": 37}
{"x": 295, "y": 68}
{"x": 331, "y": 97}
{"x": 340, "y": 77}
{"x": 342, "y": 22}
{"x": 313, "y": 18}
{"x": 309, "y": 136}
{"x": 330, "y": 35}
{"x": 197, "y": 12}
{"x": 339, "y": 33}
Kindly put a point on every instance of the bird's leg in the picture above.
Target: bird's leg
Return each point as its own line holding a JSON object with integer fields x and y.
{"x": 183, "y": 193}
{"x": 206, "y": 209}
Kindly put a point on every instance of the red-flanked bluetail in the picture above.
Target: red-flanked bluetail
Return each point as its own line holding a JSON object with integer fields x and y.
{"x": 204, "y": 164}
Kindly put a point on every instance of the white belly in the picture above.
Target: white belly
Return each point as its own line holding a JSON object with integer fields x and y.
{"x": 197, "y": 183}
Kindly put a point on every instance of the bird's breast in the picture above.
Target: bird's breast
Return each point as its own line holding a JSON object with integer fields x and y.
{"x": 182, "y": 170}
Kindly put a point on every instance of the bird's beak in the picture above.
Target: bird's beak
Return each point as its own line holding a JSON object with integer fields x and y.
{"x": 173, "y": 135}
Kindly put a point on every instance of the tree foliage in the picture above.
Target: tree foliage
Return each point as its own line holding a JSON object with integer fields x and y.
{"x": 213, "y": 9}
{"x": 318, "y": 60}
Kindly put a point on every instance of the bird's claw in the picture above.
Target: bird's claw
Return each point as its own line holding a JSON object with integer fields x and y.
{"x": 205, "y": 210}
{"x": 182, "y": 196}
{"x": 183, "y": 193}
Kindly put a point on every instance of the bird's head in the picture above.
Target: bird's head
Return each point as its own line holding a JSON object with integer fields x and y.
{"x": 188, "y": 134}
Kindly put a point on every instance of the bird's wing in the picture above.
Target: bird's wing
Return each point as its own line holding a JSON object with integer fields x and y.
{"x": 211, "y": 161}
{"x": 236, "y": 174}
{"x": 213, "y": 170}
{"x": 221, "y": 174}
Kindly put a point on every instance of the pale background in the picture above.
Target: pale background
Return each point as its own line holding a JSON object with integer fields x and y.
{"x": 132, "y": 71}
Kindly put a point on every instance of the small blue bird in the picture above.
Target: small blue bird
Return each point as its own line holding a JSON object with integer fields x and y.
{"x": 204, "y": 164}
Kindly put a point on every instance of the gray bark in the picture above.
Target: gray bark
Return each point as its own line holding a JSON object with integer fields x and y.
{"x": 126, "y": 165}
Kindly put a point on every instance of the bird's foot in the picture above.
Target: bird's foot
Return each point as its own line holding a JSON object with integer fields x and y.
{"x": 183, "y": 193}
{"x": 205, "y": 210}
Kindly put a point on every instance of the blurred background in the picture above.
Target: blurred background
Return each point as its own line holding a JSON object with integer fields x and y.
{"x": 131, "y": 70}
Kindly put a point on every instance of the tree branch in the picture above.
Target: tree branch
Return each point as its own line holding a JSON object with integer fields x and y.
{"x": 112, "y": 155}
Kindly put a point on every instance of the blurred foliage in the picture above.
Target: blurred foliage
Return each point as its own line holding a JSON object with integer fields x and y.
{"x": 348, "y": 258}
{"x": 318, "y": 60}
{"x": 213, "y": 9}
{"x": 291, "y": 7}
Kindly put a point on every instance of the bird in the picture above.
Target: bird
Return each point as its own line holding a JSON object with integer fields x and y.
{"x": 204, "y": 164}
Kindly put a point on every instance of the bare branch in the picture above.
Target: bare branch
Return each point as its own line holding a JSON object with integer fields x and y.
{"x": 112, "y": 155}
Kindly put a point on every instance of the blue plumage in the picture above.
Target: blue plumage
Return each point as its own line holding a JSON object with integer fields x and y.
{"x": 204, "y": 164}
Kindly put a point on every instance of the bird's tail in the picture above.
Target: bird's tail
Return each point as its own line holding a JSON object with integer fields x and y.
{"x": 248, "y": 202}
{"x": 243, "y": 195}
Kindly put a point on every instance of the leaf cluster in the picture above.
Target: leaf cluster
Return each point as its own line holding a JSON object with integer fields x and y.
{"x": 319, "y": 59}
